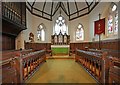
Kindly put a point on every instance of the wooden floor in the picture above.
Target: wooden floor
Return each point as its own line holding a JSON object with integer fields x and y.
{"x": 61, "y": 71}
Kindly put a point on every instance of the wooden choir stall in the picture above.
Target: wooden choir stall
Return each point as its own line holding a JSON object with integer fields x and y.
{"x": 17, "y": 66}
{"x": 103, "y": 65}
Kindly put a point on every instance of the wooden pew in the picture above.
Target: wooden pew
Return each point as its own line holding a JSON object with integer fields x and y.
{"x": 9, "y": 73}
{"x": 114, "y": 73}
{"x": 12, "y": 53}
{"x": 21, "y": 66}
{"x": 31, "y": 63}
{"x": 100, "y": 64}
{"x": 91, "y": 61}
{"x": 114, "y": 69}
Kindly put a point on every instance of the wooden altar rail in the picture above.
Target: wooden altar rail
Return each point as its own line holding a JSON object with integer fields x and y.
{"x": 19, "y": 68}
{"x": 102, "y": 66}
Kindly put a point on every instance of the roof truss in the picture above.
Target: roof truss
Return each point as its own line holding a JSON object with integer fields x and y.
{"x": 60, "y": 5}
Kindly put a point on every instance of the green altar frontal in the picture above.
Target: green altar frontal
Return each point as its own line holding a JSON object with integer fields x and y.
{"x": 60, "y": 49}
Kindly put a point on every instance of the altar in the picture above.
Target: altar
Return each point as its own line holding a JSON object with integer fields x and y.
{"x": 60, "y": 49}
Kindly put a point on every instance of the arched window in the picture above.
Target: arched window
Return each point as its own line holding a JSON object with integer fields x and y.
{"x": 116, "y": 23}
{"x": 41, "y": 32}
{"x": 110, "y": 24}
{"x": 60, "y": 25}
{"x": 80, "y": 32}
{"x": 113, "y": 19}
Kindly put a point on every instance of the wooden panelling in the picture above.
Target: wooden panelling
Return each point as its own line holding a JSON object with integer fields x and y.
{"x": 38, "y": 46}
{"x": 8, "y": 42}
{"x": 105, "y": 44}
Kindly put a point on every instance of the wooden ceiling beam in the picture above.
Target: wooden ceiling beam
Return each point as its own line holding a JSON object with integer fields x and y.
{"x": 52, "y": 9}
{"x": 41, "y": 11}
{"x": 43, "y": 7}
{"x": 33, "y": 3}
{"x": 87, "y": 3}
{"x": 76, "y": 8}
{"x": 42, "y": 16}
{"x": 79, "y": 16}
{"x": 93, "y": 6}
{"x": 63, "y": 8}
{"x": 57, "y": 7}
{"x": 28, "y": 9}
{"x": 68, "y": 9}
{"x": 60, "y": 4}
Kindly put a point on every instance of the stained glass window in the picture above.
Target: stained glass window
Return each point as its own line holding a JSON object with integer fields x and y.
{"x": 110, "y": 24}
{"x": 116, "y": 23}
{"x": 80, "y": 32}
{"x": 113, "y": 20}
{"x": 60, "y": 25}
{"x": 41, "y": 32}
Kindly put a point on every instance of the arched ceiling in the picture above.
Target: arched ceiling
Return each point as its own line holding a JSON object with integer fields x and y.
{"x": 72, "y": 8}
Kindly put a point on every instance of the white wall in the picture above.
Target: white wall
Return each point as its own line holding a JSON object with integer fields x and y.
{"x": 48, "y": 29}
{"x": 74, "y": 24}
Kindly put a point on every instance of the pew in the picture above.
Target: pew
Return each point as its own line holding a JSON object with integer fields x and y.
{"x": 21, "y": 65}
{"x": 104, "y": 66}
{"x": 12, "y": 53}
{"x": 114, "y": 70}
{"x": 114, "y": 74}
{"x": 31, "y": 63}
{"x": 8, "y": 72}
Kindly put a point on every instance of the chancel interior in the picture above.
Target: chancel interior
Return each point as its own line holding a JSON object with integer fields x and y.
{"x": 60, "y": 42}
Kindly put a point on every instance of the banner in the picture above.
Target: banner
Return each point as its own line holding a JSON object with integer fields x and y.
{"x": 99, "y": 26}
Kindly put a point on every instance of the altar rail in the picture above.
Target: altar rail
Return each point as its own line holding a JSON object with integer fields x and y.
{"x": 103, "y": 66}
{"x": 20, "y": 67}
